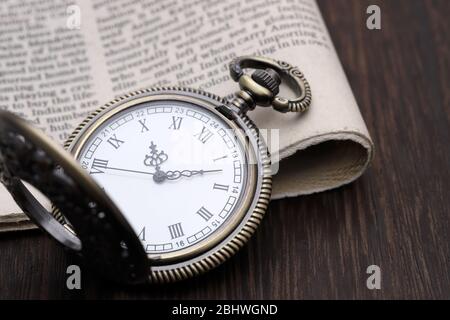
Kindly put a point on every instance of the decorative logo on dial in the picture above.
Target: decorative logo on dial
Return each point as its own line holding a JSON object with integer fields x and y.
{"x": 156, "y": 157}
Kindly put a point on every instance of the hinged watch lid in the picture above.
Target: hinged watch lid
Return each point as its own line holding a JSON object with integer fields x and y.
{"x": 102, "y": 234}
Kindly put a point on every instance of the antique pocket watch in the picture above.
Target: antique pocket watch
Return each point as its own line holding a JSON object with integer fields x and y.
{"x": 158, "y": 185}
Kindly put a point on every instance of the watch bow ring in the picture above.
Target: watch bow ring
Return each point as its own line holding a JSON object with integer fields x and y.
{"x": 264, "y": 82}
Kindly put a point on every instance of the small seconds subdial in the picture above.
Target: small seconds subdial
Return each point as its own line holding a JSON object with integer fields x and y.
{"x": 175, "y": 169}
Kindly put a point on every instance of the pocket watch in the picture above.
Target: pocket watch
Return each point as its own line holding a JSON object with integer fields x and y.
{"x": 160, "y": 184}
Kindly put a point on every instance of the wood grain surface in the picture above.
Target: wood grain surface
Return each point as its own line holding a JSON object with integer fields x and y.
{"x": 318, "y": 247}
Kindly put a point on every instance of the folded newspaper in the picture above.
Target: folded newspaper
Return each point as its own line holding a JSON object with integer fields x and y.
{"x": 62, "y": 59}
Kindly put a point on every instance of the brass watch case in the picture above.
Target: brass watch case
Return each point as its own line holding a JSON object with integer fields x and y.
{"x": 228, "y": 239}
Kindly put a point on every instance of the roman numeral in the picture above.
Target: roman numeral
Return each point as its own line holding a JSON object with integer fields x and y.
{"x": 204, "y": 213}
{"x": 98, "y": 165}
{"x": 176, "y": 123}
{"x": 204, "y": 135}
{"x": 218, "y": 186}
{"x": 144, "y": 128}
{"x": 175, "y": 230}
{"x": 116, "y": 143}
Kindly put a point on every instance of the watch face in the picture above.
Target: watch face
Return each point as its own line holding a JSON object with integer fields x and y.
{"x": 177, "y": 171}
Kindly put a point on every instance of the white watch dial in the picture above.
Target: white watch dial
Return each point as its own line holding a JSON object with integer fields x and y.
{"x": 174, "y": 169}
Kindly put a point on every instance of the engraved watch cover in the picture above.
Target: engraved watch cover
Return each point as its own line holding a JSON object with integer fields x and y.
{"x": 101, "y": 233}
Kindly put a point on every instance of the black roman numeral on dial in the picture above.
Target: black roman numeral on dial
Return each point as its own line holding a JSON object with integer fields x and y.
{"x": 116, "y": 143}
{"x": 176, "y": 123}
{"x": 176, "y": 230}
{"x": 144, "y": 127}
{"x": 204, "y": 135}
{"x": 98, "y": 166}
{"x": 223, "y": 187}
{"x": 204, "y": 213}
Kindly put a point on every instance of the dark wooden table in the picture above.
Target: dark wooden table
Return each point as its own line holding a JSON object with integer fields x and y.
{"x": 318, "y": 247}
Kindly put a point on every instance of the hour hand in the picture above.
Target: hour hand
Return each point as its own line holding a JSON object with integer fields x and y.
{"x": 177, "y": 174}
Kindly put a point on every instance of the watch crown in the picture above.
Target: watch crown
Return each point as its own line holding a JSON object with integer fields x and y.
{"x": 268, "y": 78}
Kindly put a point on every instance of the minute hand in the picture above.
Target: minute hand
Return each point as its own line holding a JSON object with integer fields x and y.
{"x": 177, "y": 174}
{"x": 128, "y": 170}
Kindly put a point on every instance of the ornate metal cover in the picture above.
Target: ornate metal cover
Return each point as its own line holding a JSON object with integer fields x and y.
{"x": 103, "y": 236}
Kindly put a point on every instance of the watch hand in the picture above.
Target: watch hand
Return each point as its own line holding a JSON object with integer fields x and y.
{"x": 128, "y": 170}
{"x": 176, "y": 174}
{"x": 160, "y": 176}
